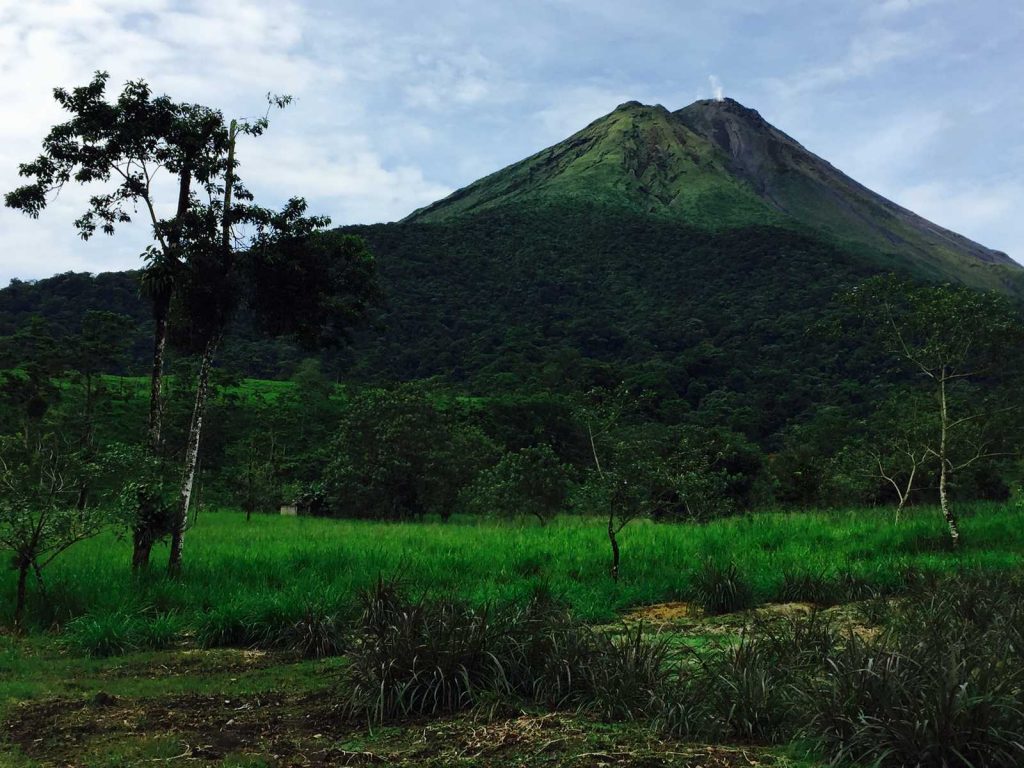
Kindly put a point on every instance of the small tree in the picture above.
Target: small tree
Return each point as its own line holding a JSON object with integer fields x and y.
{"x": 256, "y": 480}
{"x": 613, "y": 449}
{"x": 39, "y": 517}
{"x": 894, "y": 451}
{"x": 954, "y": 339}
{"x": 531, "y": 481}
{"x": 397, "y": 454}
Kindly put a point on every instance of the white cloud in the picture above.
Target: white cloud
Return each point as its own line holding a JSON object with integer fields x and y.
{"x": 886, "y": 9}
{"x": 883, "y": 153}
{"x": 576, "y": 108}
{"x": 228, "y": 55}
{"x": 982, "y": 212}
{"x": 341, "y": 174}
{"x": 865, "y": 55}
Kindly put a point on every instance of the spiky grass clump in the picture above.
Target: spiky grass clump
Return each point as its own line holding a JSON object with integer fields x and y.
{"x": 311, "y": 628}
{"x": 317, "y": 635}
{"x": 943, "y": 686}
{"x": 750, "y": 691}
{"x": 722, "y": 589}
{"x": 429, "y": 657}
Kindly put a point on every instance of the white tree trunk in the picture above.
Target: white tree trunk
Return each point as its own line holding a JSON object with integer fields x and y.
{"x": 191, "y": 458}
{"x": 944, "y": 468}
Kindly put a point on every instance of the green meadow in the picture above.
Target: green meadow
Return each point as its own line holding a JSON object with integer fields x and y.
{"x": 280, "y": 567}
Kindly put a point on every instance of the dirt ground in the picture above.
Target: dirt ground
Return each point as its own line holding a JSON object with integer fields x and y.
{"x": 252, "y": 709}
{"x": 276, "y": 730}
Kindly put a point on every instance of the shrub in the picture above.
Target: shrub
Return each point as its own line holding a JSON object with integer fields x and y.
{"x": 438, "y": 656}
{"x": 943, "y": 686}
{"x": 316, "y": 635}
{"x": 804, "y": 587}
{"x": 100, "y": 636}
{"x": 157, "y": 633}
{"x": 751, "y": 691}
{"x": 722, "y": 589}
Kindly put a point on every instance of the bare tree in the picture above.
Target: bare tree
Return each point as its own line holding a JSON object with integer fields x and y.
{"x": 950, "y": 337}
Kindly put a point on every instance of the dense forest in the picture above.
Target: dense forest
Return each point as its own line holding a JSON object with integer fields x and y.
{"x": 495, "y": 332}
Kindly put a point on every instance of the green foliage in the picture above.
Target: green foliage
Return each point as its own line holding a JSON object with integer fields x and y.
{"x": 40, "y": 481}
{"x": 531, "y": 481}
{"x": 281, "y": 561}
{"x": 398, "y": 454}
{"x": 121, "y": 632}
{"x": 942, "y": 686}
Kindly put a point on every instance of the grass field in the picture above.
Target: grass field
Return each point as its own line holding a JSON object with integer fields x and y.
{"x": 278, "y": 567}
{"x": 120, "y": 671}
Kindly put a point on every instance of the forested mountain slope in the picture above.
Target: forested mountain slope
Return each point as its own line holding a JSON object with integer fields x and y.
{"x": 694, "y": 255}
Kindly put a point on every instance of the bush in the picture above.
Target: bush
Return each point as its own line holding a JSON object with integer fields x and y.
{"x": 941, "y": 686}
{"x": 944, "y": 686}
{"x": 722, "y": 589}
{"x": 438, "y": 656}
{"x": 317, "y": 635}
{"x": 751, "y": 691}
{"x": 804, "y": 587}
{"x": 100, "y": 636}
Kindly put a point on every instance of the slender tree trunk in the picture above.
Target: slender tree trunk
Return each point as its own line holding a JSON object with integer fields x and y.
{"x": 188, "y": 475}
{"x": 39, "y": 578}
{"x": 19, "y": 603}
{"x": 161, "y": 309}
{"x": 947, "y": 512}
{"x": 904, "y": 495}
{"x": 142, "y": 546}
{"x": 615, "y": 546}
{"x": 143, "y": 536}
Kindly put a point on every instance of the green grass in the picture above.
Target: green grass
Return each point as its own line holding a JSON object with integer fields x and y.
{"x": 268, "y": 573}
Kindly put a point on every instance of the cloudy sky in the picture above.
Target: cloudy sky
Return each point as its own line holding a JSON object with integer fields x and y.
{"x": 399, "y": 102}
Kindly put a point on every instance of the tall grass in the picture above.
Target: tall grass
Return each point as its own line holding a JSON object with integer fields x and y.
{"x": 431, "y": 657}
{"x": 276, "y": 568}
{"x": 939, "y": 685}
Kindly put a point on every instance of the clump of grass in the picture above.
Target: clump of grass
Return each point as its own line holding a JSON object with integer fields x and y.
{"x": 273, "y": 622}
{"x": 750, "y": 691}
{"x": 118, "y": 633}
{"x": 944, "y": 686}
{"x": 429, "y": 657}
{"x": 317, "y": 635}
{"x": 941, "y": 685}
{"x": 100, "y": 636}
{"x": 722, "y": 589}
{"x": 807, "y": 587}
{"x": 227, "y": 625}
{"x": 158, "y": 632}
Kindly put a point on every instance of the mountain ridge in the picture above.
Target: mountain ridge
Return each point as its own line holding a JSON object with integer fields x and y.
{"x": 720, "y": 165}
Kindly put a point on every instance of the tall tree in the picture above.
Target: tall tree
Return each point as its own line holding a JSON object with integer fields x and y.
{"x": 236, "y": 253}
{"x": 960, "y": 343}
{"x": 132, "y": 146}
